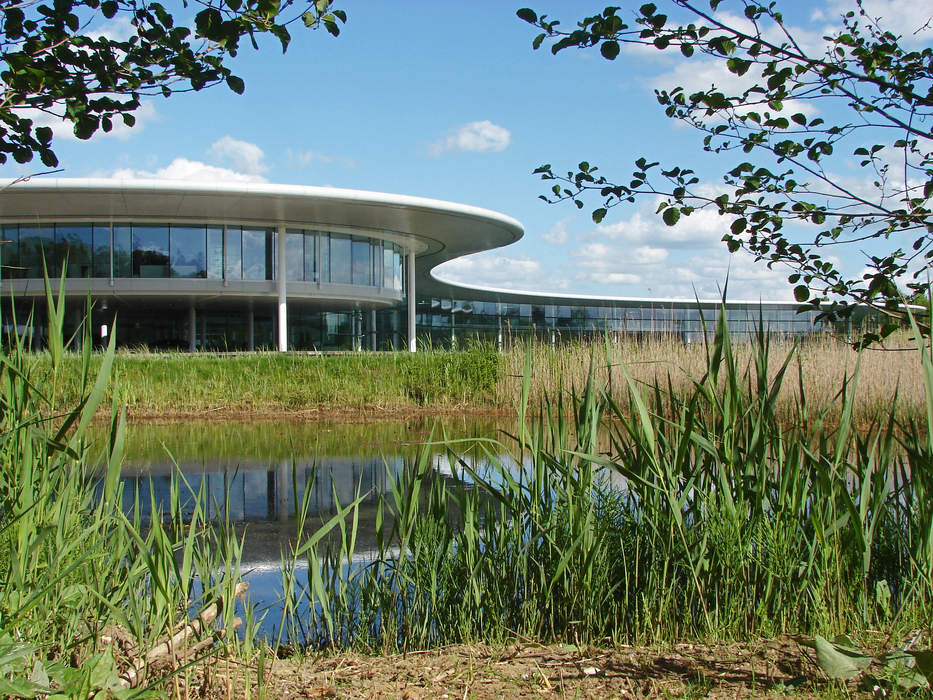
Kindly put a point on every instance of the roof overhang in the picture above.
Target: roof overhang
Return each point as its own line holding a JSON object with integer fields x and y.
{"x": 436, "y": 230}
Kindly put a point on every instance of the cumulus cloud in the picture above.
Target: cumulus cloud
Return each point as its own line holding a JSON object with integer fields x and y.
{"x": 64, "y": 129}
{"x": 702, "y": 229}
{"x": 190, "y": 170}
{"x": 908, "y": 18}
{"x": 497, "y": 270}
{"x": 557, "y": 234}
{"x": 243, "y": 156}
{"x": 480, "y": 137}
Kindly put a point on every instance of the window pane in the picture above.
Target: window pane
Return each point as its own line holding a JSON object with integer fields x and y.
{"x": 324, "y": 241}
{"x": 101, "y": 250}
{"x": 377, "y": 263}
{"x": 388, "y": 268}
{"x": 234, "y": 252}
{"x": 188, "y": 251}
{"x": 310, "y": 257}
{"x": 397, "y": 259}
{"x": 215, "y": 252}
{"x": 150, "y": 251}
{"x": 295, "y": 256}
{"x": 362, "y": 262}
{"x": 36, "y": 242}
{"x": 254, "y": 254}
{"x": 122, "y": 251}
{"x": 9, "y": 252}
{"x": 73, "y": 242}
{"x": 340, "y": 260}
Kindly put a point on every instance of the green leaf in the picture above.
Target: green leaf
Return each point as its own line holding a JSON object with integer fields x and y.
{"x": 671, "y": 216}
{"x": 527, "y": 15}
{"x": 924, "y": 664}
{"x": 609, "y": 50}
{"x": 838, "y": 660}
{"x": 599, "y": 215}
{"x": 236, "y": 84}
{"x": 738, "y": 226}
{"x": 801, "y": 293}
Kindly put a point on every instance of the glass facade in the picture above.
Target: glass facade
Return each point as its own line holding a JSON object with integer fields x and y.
{"x": 448, "y": 321}
{"x": 213, "y": 252}
{"x": 197, "y": 252}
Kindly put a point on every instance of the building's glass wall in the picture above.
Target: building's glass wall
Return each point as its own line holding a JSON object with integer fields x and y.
{"x": 448, "y": 322}
{"x": 212, "y": 252}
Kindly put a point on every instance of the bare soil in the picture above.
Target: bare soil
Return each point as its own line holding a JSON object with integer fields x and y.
{"x": 776, "y": 668}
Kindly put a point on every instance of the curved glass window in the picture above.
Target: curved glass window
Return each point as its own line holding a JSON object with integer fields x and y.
{"x": 150, "y": 251}
{"x": 127, "y": 250}
{"x": 188, "y": 251}
{"x": 233, "y": 253}
{"x": 341, "y": 268}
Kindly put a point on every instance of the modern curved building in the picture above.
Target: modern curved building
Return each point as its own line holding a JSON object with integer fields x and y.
{"x": 243, "y": 266}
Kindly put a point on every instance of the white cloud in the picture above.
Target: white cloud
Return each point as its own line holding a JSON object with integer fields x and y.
{"x": 702, "y": 229}
{"x": 64, "y": 129}
{"x": 557, "y": 234}
{"x": 482, "y": 137}
{"x": 119, "y": 28}
{"x": 303, "y": 159}
{"x": 190, "y": 170}
{"x": 907, "y": 18}
{"x": 496, "y": 270}
{"x": 244, "y": 156}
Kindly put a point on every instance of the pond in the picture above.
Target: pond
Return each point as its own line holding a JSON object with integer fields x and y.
{"x": 254, "y": 474}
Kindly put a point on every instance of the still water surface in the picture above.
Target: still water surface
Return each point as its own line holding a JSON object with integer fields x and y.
{"x": 252, "y": 474}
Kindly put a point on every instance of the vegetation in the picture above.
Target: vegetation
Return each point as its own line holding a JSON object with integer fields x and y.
{"x": 73, "y": 565}
{"x": 806, "y": 113}
{"x": 479, "y": 379}
{"x": 705, "y": 518}
{"x": 272, "y": 383}
{"x": 54, "y": 64}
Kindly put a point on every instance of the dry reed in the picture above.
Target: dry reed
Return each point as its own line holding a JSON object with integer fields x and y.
{"x": 824, "y": 361}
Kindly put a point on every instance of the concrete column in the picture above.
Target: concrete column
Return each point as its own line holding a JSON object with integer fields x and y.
{"x": 202, "y": 322}
{"x": 192, "y": 321}
{"x": 372, "y": 329}
{"x": 250, "y": 330}
{"x": 283, "y": 307}
{"x": 412, "y": 331}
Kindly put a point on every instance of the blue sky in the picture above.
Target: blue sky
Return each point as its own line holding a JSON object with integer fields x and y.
{"x": 448, "y": 100}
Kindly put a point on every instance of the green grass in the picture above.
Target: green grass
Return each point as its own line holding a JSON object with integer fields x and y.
{"x": 273, "y": 383}
{"x": 702, "y": 516}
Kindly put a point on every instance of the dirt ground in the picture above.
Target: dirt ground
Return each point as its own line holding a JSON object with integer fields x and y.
{"x": 777, "y": 668}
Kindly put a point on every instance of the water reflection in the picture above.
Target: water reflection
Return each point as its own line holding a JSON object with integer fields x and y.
{"x": 257, "y": 475}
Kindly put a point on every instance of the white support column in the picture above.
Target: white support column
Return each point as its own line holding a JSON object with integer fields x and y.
{"x": 283, "y": 307}
{"x": 372, "y": 329}
{"x": 250, "y": 330}
{"x": 202, "y": 322}
{"x": 412, "y": 331}
{"x": 192, "y": 320}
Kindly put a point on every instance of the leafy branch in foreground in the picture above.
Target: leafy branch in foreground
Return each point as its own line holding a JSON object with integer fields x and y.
{"x": 876, "y": 98}
{"x": 70, "y": 59}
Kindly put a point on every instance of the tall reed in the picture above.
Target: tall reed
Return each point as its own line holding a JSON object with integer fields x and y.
{"x": 73, "y": 566}
{"x": 710, "y": 515}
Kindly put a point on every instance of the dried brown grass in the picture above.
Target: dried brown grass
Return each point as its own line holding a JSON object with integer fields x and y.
{"x": 825, "y": 362}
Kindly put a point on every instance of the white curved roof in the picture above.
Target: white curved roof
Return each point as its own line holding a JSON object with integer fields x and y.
{"x": 437, "y": 230}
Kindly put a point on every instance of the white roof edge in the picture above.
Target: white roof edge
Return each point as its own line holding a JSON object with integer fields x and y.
{"x": 260, "y": 188}
{"x": 609, "y": 299}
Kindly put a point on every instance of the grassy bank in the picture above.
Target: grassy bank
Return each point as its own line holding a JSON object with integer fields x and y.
{"x": 272, "y": 383}
{"x": 711, "y": 515}
{"x": 256, "y": 384}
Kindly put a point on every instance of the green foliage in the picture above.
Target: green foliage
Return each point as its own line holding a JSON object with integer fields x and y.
{"x": 638, "y": 513}
{"x": 72, "y": 563}
{"x": 52, "y": 62}
{"x": 794, "y": 178}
